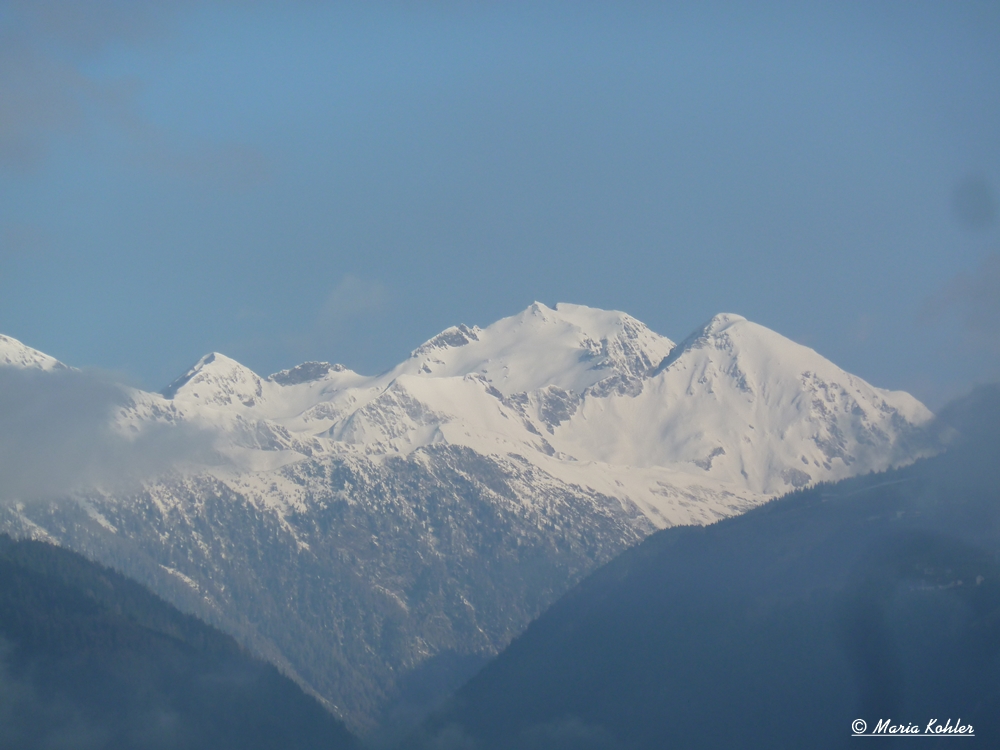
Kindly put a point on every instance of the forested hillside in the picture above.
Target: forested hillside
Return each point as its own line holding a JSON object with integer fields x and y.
{"x": 90, "y": 659}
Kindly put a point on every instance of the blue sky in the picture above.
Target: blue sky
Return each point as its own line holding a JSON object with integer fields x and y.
{"x": 341, "y": 181}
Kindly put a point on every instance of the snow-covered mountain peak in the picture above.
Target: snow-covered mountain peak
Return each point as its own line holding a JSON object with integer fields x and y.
{"x": 737, "y": 400}
{"x": 571, "y": 347}
{"x": 15, "y": 354}
{"x": 449, "y": 338}
{"x": 756, "y": 359}
{"x": 736, "y": 345}
{"x": 721, "y": 322}
{"x": 215, "y": 379}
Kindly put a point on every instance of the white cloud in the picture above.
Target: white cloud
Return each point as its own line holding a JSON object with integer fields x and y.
{"x": 57, "y": 437}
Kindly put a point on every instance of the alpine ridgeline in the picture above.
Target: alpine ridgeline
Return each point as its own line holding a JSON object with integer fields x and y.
{"x": 378, "y": 537}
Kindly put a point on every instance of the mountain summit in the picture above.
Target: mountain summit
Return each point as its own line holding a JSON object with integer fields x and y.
{"x": 375, "y": 536}
{"x": 570, "y": 347}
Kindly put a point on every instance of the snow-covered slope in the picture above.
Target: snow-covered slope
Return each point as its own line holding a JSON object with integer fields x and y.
{"x": 15, "y": 354}
{"x": 593, "y": 397}
{"x": 571, "y": 347}
{"x": 386, "y": 521}
{"x": 737, "y": 404}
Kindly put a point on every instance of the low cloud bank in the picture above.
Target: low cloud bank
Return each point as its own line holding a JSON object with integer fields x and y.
{"x": 57, "y": 436}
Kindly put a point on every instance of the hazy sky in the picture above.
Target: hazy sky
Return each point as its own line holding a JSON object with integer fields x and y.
{"x": 341, "y": 181}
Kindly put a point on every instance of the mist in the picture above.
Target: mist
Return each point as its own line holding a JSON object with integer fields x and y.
{"x": 58, "y": 436}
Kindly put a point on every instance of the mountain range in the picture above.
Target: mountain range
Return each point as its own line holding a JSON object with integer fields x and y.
{"x": 379, "y": 537}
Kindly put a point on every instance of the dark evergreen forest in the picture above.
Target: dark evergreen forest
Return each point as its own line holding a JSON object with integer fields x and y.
{"x": 90, "y": 659}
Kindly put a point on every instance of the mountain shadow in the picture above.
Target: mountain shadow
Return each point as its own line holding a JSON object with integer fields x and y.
{"x": 92, "y": 660}
{"x": 875, "y": 598}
